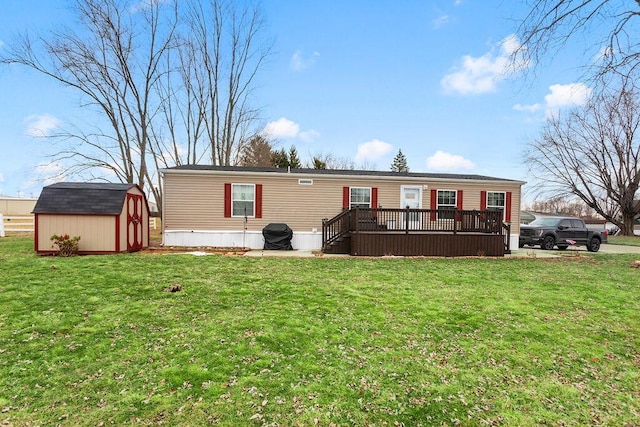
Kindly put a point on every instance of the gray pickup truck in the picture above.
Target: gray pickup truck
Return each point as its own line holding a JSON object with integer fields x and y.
{"x": 548, "y": 232}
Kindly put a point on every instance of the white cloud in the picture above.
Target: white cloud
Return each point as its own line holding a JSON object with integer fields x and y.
{"x": 442, "y": 161}
{"x": 282, "y": 128}
{"x": 45, "y": 174}
{"x": 528, "y": 108}
{"x": 372, "y": 150}
{"x": 300, "y": 63}
{"x": 559, "y": 97}
{"x": 285, "y": 128}
{"x": 440, "y": 21}
{"x": 481, "y": 74}
{"x": 309, "y": 135}
{"x": 146, "y": 4}
{"x": 41, "y": 125}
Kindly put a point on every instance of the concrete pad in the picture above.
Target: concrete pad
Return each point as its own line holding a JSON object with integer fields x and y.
{"x": 533, "y": 253}
{"x": 281, "y": 254}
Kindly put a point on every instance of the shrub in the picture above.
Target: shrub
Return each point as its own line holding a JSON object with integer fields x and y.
{"x": 67, "y": 246}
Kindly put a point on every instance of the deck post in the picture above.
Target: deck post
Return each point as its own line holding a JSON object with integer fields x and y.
{"x": 357, "y": 219}
{"x": 457, "y": 215}
{"x": 406, "y": 220}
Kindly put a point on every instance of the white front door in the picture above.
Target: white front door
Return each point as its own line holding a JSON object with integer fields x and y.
{"x": 411, "y": 197}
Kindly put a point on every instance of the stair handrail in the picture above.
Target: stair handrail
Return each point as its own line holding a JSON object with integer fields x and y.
{"x": 336, "y": 227}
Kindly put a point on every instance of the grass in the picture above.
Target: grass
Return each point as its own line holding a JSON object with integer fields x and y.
{"x": 95, "y": 340}
{"x": 624, "y": 240}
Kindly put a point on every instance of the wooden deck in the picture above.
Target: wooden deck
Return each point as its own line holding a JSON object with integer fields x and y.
{"x": 371, "y": 243}
{"x": 416, "y": 232}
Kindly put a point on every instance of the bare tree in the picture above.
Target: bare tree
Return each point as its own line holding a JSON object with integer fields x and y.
{"x": 330, "y": 161}
{"x": 114, "y": 73}
{"x": 550, "y": 24}
{"x": 226, "y": 53}
{"x": 562, "y": 205}
{"x": 593, "y": 153}
{"x": 171, "y": 82}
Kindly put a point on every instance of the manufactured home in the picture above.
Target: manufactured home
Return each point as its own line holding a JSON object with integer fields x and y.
{"x": 341, "y": 210}
{"x": 109, "y": 218}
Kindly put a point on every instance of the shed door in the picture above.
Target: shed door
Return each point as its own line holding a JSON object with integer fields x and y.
{"x": 134, "y": 222}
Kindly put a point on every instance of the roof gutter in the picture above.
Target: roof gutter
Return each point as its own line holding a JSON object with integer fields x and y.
{"x": 340, "y": 176}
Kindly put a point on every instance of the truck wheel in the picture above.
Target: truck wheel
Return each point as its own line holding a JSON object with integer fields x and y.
{"x": 593, "y": 245}
{"x": 563, "y": 247}
{"x": 548, "y": 243}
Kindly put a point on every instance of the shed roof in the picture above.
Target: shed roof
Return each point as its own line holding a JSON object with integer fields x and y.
{"x": 82, "y": 198}
{"x": 347, "y": 172}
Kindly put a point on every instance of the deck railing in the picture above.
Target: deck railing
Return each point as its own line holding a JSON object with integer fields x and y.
{"x": 415, "y": 220}
{"x": 411, "y": 221}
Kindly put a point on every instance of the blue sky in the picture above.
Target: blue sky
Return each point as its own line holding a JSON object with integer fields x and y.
{"x": 357, "y": 79}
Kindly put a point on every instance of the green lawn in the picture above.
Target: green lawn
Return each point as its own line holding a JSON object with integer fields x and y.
{"x": 95, "y": 340}
{"x": 624, "y": 240}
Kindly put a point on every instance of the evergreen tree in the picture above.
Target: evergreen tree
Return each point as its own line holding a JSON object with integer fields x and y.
{"x": 294, "y": 160}
{"x": 280, "y": 158}
{"x": 399, "y": 163}
{"x": 318, "y": 163}
{"x": 257, "y": 152}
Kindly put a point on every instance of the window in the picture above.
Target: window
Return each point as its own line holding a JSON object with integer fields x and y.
{"x": 360, "y": 197}
{"x": 576, "y": 223}
{"x": 446, "y": 204}
{"x": 496, "y": 201}
{"x": 566, "y": 223}
{"x": 243, "y": 200}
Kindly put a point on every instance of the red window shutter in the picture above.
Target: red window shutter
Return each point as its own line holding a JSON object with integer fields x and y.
{"x": 483, "y": 200}
{"x": 374, "y": 201}
{"x": 345, "y": 197}
{"x": 258, "y": 200}
{"x": 459, "y": 205}
{"x": 227, "y": 200}
{"x": 507, "y": 208}
{"x": 434, "y": 204}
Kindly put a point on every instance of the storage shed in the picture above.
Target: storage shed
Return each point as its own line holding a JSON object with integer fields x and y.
{"x": 109, "y": 218}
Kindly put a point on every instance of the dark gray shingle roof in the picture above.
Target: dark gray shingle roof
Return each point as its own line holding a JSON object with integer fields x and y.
{"x": 82, "y": 198}
{"x": 338, "y": 172}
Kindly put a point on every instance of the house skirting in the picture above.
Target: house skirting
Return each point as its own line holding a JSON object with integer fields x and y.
{"x": 513, "y": 241}
{"x": 236, "y": 239}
